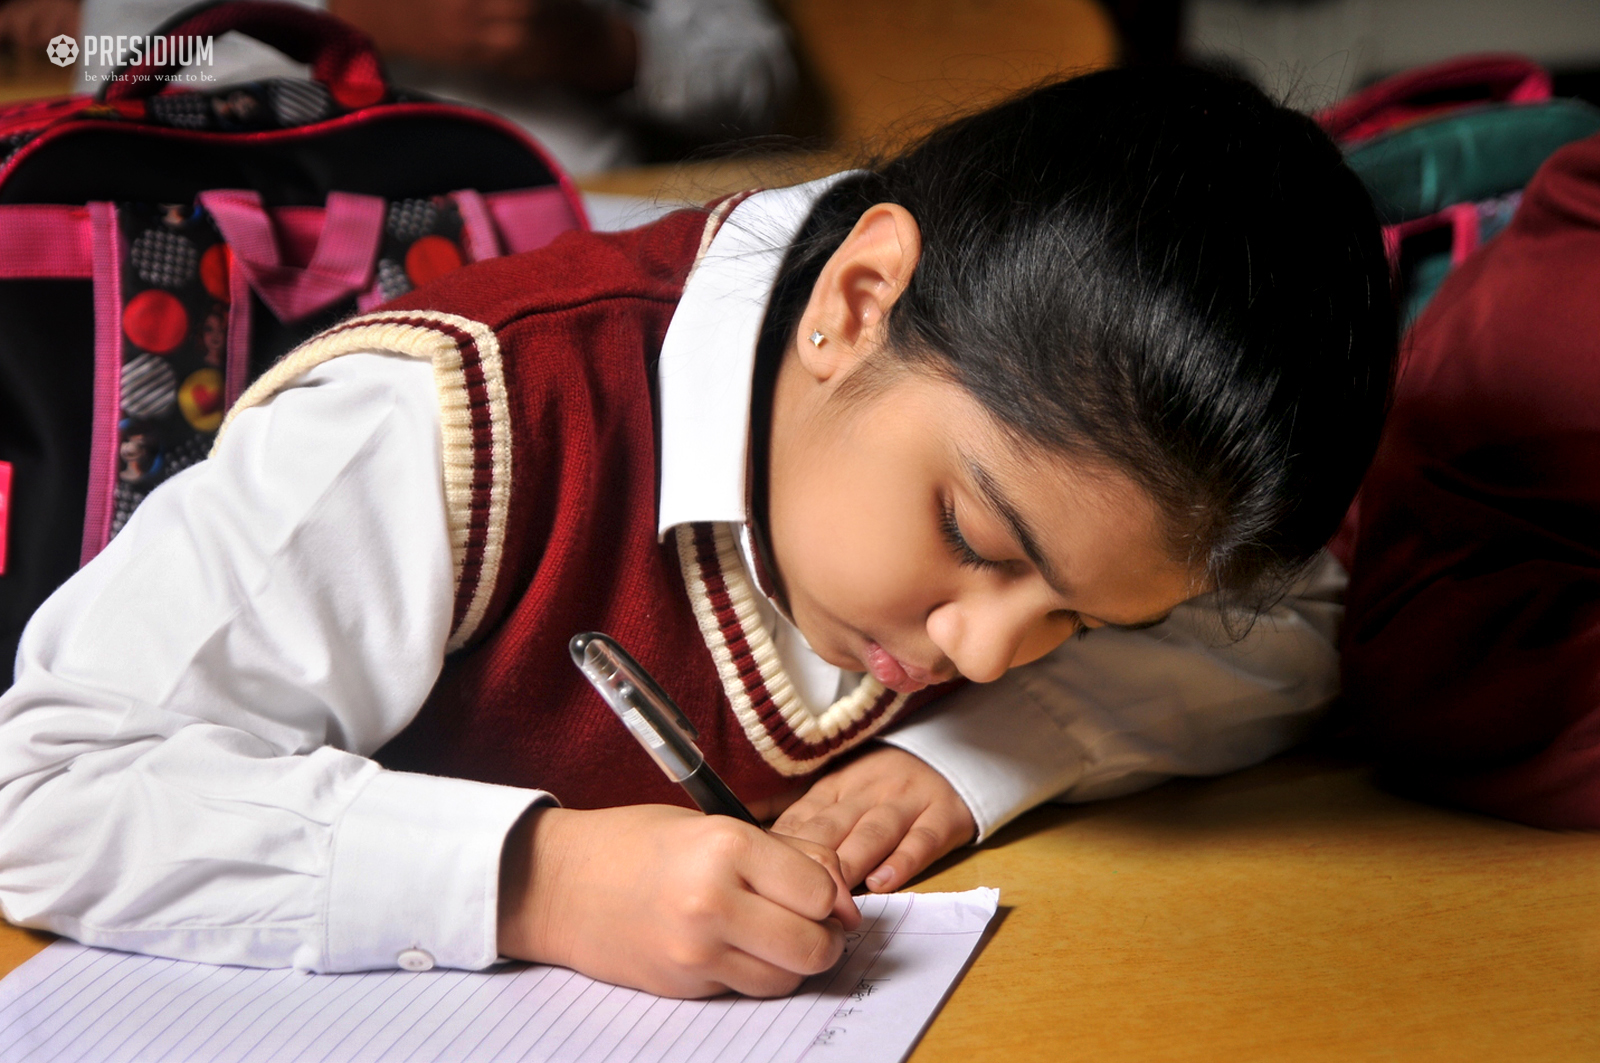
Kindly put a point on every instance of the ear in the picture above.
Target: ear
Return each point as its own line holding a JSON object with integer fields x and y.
{"x": 857, "y": 286}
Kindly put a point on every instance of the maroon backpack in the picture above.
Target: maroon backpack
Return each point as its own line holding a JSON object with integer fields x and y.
{"x": 161, "y": 247}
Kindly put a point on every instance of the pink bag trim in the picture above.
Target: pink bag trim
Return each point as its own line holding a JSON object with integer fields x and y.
{"x": 45, "y": 241}
{"x": 1408, "y": 97}
{"x": 1463, "y": 220}
{"x": 342, "y": 265}
{"x": 529, "y": 218}
{"x": 107, "y": 295}
{"x": 298, "y": 230}
{"x": 5, "y": 511}
{"x": 236, "y": 373}
{"x": 477, "y": 226}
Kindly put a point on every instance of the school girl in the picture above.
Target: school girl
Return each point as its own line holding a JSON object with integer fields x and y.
{"x": 814, "y": 455}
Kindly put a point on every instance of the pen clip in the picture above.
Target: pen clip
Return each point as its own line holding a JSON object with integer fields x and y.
{"x": 647, "y": 682}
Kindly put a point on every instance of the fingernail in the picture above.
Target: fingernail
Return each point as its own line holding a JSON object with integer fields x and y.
{"x": 879, "y": 880}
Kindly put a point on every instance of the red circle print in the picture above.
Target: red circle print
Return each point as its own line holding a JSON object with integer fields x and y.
{"x": 430, "y": 257}
{"x": 155, "y": 321}
{"x": 352, "y": 93}
{"x": 215, "y": 266}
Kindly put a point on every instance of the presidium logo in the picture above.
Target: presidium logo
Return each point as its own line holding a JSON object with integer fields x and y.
{"x": 117, "y": 52}
{"x": 62, "y": 50}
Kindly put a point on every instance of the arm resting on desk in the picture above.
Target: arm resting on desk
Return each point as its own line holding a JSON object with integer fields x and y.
{"x": 1119, "y": 711}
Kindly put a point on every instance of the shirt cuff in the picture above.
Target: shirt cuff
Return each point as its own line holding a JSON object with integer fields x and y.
{"x": 415, "y": 881}
{"x": 1000, "y": 772}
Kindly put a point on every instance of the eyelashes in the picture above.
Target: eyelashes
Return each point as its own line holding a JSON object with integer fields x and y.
{"x": 970, "y": 558}
{"x": 963, "y": 550}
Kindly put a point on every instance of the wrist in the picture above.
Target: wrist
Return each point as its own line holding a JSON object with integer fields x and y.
{"x": 530, "y": 877}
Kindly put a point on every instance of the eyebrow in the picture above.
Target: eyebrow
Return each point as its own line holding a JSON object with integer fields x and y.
{"x": 1009, "y": 513}
{"x": 1019, "y": 526}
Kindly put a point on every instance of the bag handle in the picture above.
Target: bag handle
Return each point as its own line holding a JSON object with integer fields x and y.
{"x": 342, "y": 265}
{"x": 341, "y": 56}
{"x": 1446, "y": 86}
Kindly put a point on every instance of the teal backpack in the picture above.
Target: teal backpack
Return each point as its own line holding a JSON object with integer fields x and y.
{"x": 1445, "y": 151}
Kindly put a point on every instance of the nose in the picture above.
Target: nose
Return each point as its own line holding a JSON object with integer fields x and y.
{"x": 984, "y": 634}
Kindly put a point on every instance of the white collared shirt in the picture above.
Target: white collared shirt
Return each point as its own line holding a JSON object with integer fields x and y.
{"x": 704, "y": 377}
{"x": 185, "y": 756}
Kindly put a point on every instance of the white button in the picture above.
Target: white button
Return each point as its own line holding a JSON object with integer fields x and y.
{"x": 415, "y": 960}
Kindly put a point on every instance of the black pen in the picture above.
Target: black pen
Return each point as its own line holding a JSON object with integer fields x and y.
{"x": 655, "y": 720}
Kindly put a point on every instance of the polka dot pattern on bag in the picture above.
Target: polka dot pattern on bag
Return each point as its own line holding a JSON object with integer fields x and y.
{"x": 421, "y": 242}
{"x": 175, "y": 289}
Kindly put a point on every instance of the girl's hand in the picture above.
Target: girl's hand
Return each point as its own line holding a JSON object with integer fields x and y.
{"x": 885, "y": 812}
{"x": 671, "y": 901}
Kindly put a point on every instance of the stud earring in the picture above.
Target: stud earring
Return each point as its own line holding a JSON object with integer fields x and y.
{"x": 817, "y": 338}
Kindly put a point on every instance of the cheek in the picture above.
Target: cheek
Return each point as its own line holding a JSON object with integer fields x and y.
{"x": 1042, "y": 638}
{"x": 861, "y": 548}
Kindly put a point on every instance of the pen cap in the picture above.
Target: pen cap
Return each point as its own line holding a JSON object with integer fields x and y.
{"x": 642, "y": 706}
{"x": 668, "y": 755}
{"x": 596, "y": 655}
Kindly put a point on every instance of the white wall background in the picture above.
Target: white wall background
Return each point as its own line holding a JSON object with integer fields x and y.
{"x": 1311, "y": 52}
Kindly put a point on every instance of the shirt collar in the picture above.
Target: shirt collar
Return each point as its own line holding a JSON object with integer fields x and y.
{"x": 708, "y": 357}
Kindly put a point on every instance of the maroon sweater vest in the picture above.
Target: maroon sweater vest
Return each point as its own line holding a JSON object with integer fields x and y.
{"x": 545, "y": 363}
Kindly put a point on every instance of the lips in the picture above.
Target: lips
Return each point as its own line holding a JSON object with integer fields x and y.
{"x": 892, "y": 673}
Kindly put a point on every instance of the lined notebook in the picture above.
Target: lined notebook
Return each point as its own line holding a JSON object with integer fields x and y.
{"x": 73, "y": 1004}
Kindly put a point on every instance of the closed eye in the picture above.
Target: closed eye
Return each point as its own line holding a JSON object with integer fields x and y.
{"x": 959, "y": 546}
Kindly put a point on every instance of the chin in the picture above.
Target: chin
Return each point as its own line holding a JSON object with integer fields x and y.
{"x": 824, "y": 642}
{"x": 840, "y": 659}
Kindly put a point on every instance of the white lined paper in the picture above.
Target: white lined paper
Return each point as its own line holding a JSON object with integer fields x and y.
{"x": 73, "y": 1004}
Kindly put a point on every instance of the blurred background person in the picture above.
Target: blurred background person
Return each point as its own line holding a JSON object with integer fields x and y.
{"x": 601, "y": 83}
{"x": 28, "y": 25}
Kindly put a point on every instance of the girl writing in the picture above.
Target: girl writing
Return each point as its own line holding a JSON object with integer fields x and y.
{"x": 812, "y": 455}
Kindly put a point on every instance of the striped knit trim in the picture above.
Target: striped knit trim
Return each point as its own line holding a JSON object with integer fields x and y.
{"x": 788, "y": 735}
{"x": 474, "y": 429}
{"x": 719, "y": 214}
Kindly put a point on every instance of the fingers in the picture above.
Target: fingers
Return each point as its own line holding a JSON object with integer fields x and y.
{"x": 800, "y": 876}
{"x": 671, "y": 901}
{"x": 774, "y": 935}
{"x": 819, "y": 816}
{"x": 873, "y": 838}
{"x": 887, "y": 814}
{"x": 844, "y": 906}
{"x": 935, "y": 833}
{"x": 765, "y": 939}
{"x": 752, "y": 977}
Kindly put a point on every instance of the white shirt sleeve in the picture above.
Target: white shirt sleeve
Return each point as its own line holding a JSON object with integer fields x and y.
{"x": 184, "y": 756}
{"x": 1119, "y": 711}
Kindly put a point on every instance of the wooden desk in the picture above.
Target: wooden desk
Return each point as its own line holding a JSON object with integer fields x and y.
{"x": 1287, "y": 913}
{"x": 1291, "y": 912}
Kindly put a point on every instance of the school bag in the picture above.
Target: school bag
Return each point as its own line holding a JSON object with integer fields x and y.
{"x": 161, "y": 245}
{"x": 1445, "y": 151}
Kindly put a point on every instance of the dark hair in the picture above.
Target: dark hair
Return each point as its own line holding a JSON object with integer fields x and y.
{"x": 1160, "y": 269}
